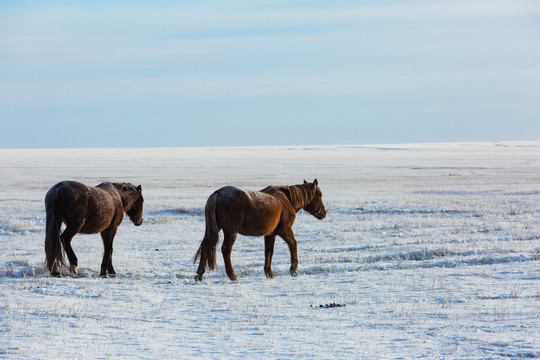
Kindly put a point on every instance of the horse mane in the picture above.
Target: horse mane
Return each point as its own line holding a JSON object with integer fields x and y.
{"x": 298, "y": 195}
{"x": 127, "y": 198}
{"x": 124, "y": 186}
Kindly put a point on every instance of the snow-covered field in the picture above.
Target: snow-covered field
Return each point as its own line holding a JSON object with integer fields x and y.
{"x": 433, "y": 251}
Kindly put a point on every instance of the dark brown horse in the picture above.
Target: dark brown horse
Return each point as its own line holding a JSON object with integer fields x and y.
{"x": 87, "y": 210}
{"x": 267, "y": 213}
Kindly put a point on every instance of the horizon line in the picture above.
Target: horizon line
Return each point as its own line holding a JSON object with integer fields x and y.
{"x": 366, "y": 145}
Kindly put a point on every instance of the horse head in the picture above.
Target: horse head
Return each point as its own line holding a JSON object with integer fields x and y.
{"x": 134, "y": 202}
{"x": 315, "y": 207}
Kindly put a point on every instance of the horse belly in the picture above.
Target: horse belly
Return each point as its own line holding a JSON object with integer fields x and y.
{"x": 260, "y": 223}
{"x": 91, "y": 226}
{"x": 251, "y": 229}
{"x": 99, "y": 219}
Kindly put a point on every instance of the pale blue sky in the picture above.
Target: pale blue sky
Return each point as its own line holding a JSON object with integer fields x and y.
{"x": 228, "y": 73}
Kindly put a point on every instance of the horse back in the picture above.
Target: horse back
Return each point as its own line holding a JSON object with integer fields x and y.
{"x": 95, "y": 208}
{"x": 245, "y": 200}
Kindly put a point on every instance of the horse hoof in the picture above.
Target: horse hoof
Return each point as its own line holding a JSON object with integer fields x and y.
{"x": 55, "y": 274}
{"x": 103, "y": 276}
{"x": 233, "y": 278}
{"x": 269, "y": 275}
{"x": 73, "y": 270}
{"x": 294, "y": 273}
{"x": 198, "y": 277}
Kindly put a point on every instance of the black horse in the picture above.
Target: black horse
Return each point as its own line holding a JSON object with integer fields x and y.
{"x": 87, "y": 210}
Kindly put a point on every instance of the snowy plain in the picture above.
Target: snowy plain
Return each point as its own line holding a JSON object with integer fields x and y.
{"x": 433, "y": 251}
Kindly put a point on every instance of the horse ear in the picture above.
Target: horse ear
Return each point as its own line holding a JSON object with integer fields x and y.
{"x": 315, "y": 183}
{"x": 305, "y": 182}
{"x": 139, "y": 188}
{"x": 124, "y": 187}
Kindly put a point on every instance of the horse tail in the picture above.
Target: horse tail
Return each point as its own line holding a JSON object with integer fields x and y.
{"x": 54, "y": 254}
{"x": 207, "y": 250}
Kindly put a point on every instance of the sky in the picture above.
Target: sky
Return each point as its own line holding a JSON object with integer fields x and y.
{"x": 267, "y": 72}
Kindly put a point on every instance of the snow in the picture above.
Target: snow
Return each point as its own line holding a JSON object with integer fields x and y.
{"x": 432, "y": 251}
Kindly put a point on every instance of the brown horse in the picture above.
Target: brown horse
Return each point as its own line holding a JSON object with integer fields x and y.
{"x": 87, "y": 210}
{"x": 267, "y": 213}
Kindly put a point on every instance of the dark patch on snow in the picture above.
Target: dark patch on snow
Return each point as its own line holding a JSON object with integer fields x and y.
{"x": 328, "y": 306}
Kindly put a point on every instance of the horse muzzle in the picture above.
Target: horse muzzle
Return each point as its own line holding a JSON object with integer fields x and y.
{"x": 320, "y": 214}
{"x": 138, "y": 223}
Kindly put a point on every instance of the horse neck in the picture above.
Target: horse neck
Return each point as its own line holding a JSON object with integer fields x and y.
{"x": 300, "y": 196}
{"x": 127, "y": 200}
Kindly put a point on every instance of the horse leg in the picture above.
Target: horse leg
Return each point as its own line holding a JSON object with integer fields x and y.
{"x": 66, "y": 237}
{"x": 269, "y": 241}
{"x": 202, "y": 266}
{"x": 226, "y": 249}
{"x": 106, "y": 265}
{"x": 288, "y": 236}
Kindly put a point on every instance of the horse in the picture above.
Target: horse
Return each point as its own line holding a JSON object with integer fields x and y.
{"x": 87, "y": 210}
{"x": 268, "y": 212}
